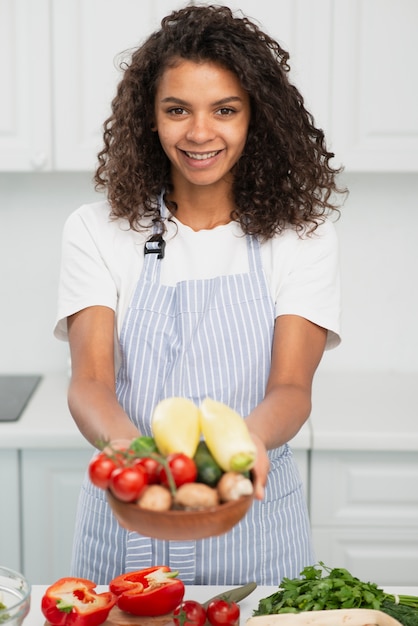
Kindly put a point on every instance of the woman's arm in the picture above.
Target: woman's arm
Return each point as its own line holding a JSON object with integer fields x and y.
{"x": 91, "y": 396}
{"x": 298, "y": 346}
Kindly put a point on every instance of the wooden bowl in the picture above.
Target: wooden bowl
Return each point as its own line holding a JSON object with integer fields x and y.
{"x": 180, "y": 525}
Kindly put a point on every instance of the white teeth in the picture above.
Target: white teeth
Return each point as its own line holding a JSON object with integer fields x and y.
{"x": 201, "y": 157}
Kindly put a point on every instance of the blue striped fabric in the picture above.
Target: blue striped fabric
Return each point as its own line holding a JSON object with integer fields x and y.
{"x": 200, "y": 338}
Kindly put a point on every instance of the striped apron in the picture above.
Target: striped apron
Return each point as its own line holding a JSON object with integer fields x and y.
{"x": 200, "y": 338}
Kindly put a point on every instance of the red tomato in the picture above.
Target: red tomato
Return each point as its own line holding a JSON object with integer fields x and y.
{"x": 127, "y": 483}
{"x": 182, "y": 467}
{"x": 151, "y": 467}
{"x": 101, "y": 468}
{"x": 189, "y": 613}
{"x": 223, "y": 613}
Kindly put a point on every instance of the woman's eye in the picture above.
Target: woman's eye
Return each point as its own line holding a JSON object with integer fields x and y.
{"x": 177, "y": 111}
{"x": 225, "y": 111}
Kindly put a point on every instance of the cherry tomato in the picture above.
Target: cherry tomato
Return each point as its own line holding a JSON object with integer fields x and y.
{"x": 223, "y": 613}
{"x": 189, "y": 613}
{"x": 101, "y": 468}
{"x": 183, "y": 469}
{"x": 151, "y": 467}
{"x": 127, "y": 483}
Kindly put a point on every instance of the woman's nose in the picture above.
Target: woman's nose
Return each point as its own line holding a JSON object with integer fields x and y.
{"x": 200, "y": 129}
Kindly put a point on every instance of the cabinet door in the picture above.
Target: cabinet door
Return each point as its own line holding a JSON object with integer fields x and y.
{"x": 386, "y": 556}
{"x": 374, "y": 85}
{"x": 364, "y": 513}
{"x": 10, "y": 513}
{"x": 51, "y": 481}
{"x": 89, "y": 37}
{"x": 375, "y": 489}
{"x": 25, "y": 111}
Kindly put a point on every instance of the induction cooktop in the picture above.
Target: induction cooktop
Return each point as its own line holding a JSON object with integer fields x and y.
{"x": 15, "y": 393}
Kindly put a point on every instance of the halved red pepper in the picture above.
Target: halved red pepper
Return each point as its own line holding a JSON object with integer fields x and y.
{"x": 148, "y": 592}
{"x": 73, "y": 602}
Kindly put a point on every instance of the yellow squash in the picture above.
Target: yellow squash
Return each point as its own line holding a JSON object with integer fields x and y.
{"x": 176, "y": 426}
{"x": 227, "y": 436}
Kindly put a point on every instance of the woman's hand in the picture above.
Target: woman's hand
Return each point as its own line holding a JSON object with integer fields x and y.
{"x": 261, "y": 467}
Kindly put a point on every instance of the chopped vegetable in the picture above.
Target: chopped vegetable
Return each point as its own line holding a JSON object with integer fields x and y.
{"x": 175, "y": 426}
{"x": 148, "y": 592}
{"x": 73, "y": 602}
{"x": 336, "y": 590}
{"x": 227, "y": 436}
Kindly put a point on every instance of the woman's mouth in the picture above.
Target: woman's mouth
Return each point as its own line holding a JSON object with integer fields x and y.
{"x": 201, "y": 156}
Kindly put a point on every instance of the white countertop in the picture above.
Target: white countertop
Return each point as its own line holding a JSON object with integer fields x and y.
{"x": 47, "y": 423}
{"x": 365, "y": 411}
{"x": 200, "y": 593}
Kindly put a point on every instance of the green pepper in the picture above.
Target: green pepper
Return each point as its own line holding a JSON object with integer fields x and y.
{"x": 142, "y": 446}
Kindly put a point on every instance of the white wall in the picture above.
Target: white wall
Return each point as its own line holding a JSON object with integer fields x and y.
{"x": 379, "y": 266}
{"x": 33, "y": 208}
{"x": 378, "y": 231}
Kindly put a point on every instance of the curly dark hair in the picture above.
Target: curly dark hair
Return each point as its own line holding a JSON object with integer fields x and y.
{"x": 283, "y": 177}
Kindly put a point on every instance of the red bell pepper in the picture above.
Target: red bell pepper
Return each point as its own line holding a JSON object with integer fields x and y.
{"x": 148, "y": 592}
{"x": 73, "y": 602}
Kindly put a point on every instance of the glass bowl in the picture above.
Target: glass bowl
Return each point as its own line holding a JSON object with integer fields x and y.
{"x": 15, "y": 595}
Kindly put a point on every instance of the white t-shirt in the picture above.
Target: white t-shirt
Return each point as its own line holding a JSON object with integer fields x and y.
{"x": 102, "y": 259}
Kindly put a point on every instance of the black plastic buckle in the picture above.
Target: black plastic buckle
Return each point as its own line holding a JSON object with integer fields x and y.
{"x": 155, "y": 245}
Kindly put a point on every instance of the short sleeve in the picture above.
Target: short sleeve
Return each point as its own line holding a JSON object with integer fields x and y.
{"x": 85, "y": 279}
{"x": 311, "y": 284}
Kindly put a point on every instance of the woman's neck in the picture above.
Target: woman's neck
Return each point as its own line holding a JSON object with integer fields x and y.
{"x": 202, "y": 208}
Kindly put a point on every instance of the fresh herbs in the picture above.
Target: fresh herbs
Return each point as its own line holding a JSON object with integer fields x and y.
{"x": 336, "y": 589}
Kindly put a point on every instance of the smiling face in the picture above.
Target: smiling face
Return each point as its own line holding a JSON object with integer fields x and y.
{"x": 202, "y": 116}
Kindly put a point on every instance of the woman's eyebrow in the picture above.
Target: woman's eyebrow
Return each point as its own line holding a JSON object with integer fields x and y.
{"x": 221, "y": 102}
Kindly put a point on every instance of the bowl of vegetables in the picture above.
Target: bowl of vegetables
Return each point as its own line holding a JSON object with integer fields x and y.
{"x": 190, "y": 480}
{"x": 15, "y": 593}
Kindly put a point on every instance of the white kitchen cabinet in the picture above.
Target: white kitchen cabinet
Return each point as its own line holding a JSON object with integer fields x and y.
{"x": 364, "y": 513}
{"x": 51, "y": 481}
{"x": 65, "y": 65}
{"x": 352, "y": 59}
{"x": 85, "y": 81}
{"x": 25, "y": 108}
{"x": 10, "y": 509}
{"x": 58, "y": 75}
{"x": 374, "y": 84}
{"x": 88, "y": 37}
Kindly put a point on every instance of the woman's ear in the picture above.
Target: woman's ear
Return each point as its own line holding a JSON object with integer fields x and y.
{"x": 154, "y": 127}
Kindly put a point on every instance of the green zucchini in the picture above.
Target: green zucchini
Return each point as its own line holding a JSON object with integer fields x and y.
{"x": 208, "y": 471}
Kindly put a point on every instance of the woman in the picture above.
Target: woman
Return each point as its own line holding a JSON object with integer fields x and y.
{"x": 210, "y": 270}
